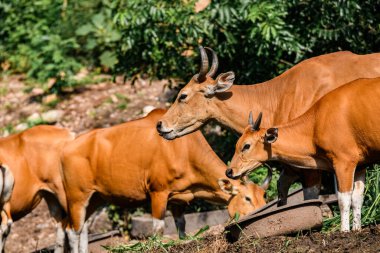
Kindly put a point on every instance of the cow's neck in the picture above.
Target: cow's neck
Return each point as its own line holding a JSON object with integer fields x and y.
{"x": 208, "y": 168}
{"x": 233, "y": 106}
{"x": 294, "y": 145}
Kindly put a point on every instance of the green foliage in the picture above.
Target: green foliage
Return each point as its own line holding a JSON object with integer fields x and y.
{"x": 54, "y": 39}
{"x": 371, "y": 204}
{"x": 256, "y": 39}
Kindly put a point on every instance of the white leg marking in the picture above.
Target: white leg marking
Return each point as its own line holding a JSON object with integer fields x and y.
{"x": 357, "y": 200}
{"x": 344, "y": 200}
{"x": 73, "y": 237}
{"x": 158, "y": 226}
{"x": 83, "y": 240}
{"x": 60, "y": 239}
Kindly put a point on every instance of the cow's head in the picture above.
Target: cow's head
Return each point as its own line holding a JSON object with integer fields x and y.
{"x": 193, "y": 106}
{"x": 246, "y": 197}
{"x": 252, "y": 149}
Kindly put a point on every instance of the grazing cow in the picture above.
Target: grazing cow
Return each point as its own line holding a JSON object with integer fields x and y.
{"x": 33, "y": 158}
{"x": 6, "y": 187}
{"x": 130, "y": 164}
{"x": 280, "y": 99}
{"x": 340, "y": 133}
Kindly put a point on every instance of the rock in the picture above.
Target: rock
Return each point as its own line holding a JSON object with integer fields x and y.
{"x": 37, "y": 91}
{"x": 52, "y": 116}
{"x": 99, "y": 222}
{"x": 142, "y": 226}
{"x": 21, "y": 127}
{"x": 147, "y": 109}
{"x": 34, "y": 117}
{"x": 49, "y": 99}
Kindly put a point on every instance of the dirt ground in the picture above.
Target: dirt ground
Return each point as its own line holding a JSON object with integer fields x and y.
{"x": 368, "y": 240}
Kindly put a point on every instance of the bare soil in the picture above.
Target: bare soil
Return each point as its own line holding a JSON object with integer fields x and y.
{"x": 368, "y": 240}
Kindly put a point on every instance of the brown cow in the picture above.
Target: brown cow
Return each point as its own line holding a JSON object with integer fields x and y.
{"x": 33, "y": 157}
{"x": 280, "y": 99}
{"x": 130, "y": 163}
{"x": 340, "y": 132}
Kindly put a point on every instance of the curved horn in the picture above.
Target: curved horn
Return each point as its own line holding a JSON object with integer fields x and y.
{"x": 215, "y": 63}
{"x": 204, "y": 66}
{"x": 256, "y": 126}
{"x": 268, "y": 179}
{"x": 250, "y": 119}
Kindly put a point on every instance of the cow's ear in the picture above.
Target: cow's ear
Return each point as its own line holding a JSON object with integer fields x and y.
{"x": 224, "y": 82}
{"x": 227, "y": 186}
{"x": 271, "y": 135}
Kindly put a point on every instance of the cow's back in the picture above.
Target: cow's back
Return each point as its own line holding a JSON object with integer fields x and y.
{"x": 348, "y": 118}
{"x": 300, "y": 87}
{"x": 127, "y": 160}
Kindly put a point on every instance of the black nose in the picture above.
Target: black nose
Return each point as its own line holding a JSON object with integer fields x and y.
{"x": 229, "y": 173}
{"x": 158, "y": 126}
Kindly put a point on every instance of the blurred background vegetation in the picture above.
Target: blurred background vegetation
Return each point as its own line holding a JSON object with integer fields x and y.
{"x": 256, "y": 39}
{"x": 158, "y": 39}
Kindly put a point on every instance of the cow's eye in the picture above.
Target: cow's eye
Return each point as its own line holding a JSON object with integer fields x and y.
{"x": 182, "y": 97}
{"x": 246, "y": 147}
{"x": 247, "y": 198}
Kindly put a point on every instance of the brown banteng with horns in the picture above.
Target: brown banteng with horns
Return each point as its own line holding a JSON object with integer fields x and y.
{"x": 280, "y": 99}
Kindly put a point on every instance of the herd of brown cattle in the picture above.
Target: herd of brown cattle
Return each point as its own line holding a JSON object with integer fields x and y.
{"x": 322, "y": 114}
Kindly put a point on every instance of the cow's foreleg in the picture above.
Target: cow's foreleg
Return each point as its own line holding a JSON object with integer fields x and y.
{"x": 179, "y": 219}
{"x": 345, "y": 176}
{"x": 159, "y": 202}
{"x": 357, "y": 198}
{"x": 77, "y": 214}
{"x": 287, "y": 178}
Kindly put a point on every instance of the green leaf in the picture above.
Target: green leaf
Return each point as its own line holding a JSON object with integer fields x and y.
{"x": 108, "y": 59}
{"x": 84, "y": 30}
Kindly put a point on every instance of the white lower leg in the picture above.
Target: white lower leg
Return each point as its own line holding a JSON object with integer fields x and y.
{"x": 83, "y": 241}
{"x": 73, "y": 237}
{"x": 344, "y": 200}
{"x": 158, "y": 226}
{"x": 357, "y": 200}
{"x": 60, "y": 239}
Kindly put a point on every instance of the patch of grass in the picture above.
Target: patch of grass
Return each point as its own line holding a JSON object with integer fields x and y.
{"x": 3, "y": 91}
{"x": 123, "y": 101}
{"x": 155, "y": 242}
{"x": 371, "y": 204}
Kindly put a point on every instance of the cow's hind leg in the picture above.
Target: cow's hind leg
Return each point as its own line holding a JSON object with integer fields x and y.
{"x": 357, "y": 198}
{"x": 345, "y": 176}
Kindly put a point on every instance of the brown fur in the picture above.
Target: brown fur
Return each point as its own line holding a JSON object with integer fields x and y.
{"x": 339, "y": 133}
{"x": 130, "y": 163}
{"x": 280, "y": 99}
